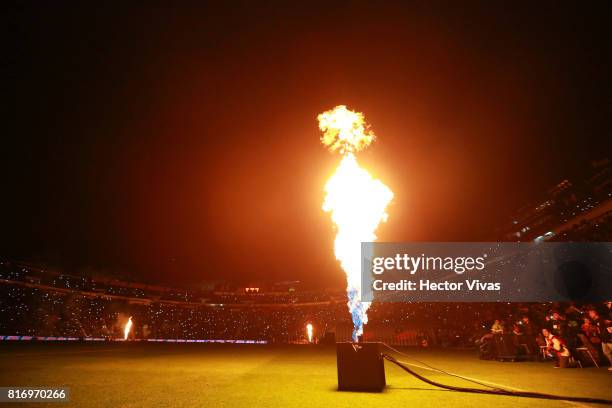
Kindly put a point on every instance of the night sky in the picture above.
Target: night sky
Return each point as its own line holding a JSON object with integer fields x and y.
{"x": 180, "y": 145}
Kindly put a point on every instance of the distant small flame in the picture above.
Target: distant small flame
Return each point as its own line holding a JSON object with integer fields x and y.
{"x": 127, "y": 328}
{"x": 309, "y": 332}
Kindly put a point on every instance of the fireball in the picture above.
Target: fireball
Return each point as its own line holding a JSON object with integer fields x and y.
{"x": 344, "y": 130}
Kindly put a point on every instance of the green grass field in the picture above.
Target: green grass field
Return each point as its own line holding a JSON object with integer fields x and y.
{"x": 205, "y": 375}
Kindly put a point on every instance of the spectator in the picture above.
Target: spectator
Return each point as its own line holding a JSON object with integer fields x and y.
{"x": 556, "y": 348}
{"x": 557, "y": 324}
{"x": 529, "y": 336}
{"x": 604, "y": 332}
{"x": 528, "y": 328}
{"x": 608, "y": 309}
{"x": 497, "y": 327}
{"x": 517, "y": 330}
{"x": 589, "y": 330}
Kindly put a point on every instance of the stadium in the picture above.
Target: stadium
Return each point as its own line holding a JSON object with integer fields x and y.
{"x": 307, "y": 205}
{"x": 250, "y": 345}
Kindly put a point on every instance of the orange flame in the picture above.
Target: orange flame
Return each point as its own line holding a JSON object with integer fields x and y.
{"x": 309, "y": 332}
{"x": 356, "y": 201}
{"x": 344, "y": 130}
{"x": 127, "y": 328}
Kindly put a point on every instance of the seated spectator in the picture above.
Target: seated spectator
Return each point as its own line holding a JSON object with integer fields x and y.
{"x": 497, "y": 327}
{"x": 604, "y": 332}
{"x": 528, "y": 326}
{"x": 529, "y": 335}
{"x": 557, "y": 324}
{"x": 589, "y": 330}
{"x": 556, "y": 348}
{"x": 608, "y": 309}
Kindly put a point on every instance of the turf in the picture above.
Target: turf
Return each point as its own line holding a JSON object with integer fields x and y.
{"x": 205, "y": 375}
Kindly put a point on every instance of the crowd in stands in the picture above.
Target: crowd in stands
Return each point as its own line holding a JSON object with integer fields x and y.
{"x": 82, "y": 308}
{"x": 36, "y": 312}
{"x": 566, "y": 333}
{"x": 598, "y": 230}
{"x": 37, "y": 303}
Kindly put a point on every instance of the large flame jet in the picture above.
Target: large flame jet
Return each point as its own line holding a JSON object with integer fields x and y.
{"x": 356, "y": 201}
